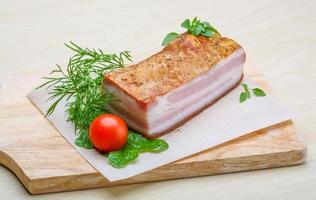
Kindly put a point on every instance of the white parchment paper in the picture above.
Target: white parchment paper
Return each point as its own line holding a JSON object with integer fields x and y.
{"x": 225, "y": 120}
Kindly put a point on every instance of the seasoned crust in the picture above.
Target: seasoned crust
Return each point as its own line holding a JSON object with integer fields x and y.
{"x": 185, "y": 58}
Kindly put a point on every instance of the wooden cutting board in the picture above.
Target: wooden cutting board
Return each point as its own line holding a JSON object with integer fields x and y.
{"x": 45, "y": 162}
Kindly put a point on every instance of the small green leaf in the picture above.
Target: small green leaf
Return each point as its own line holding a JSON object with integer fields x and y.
{"x": 207, "y": 33}
{"x": 137, "y": 141}
{"x": 169, "y": 38}
{"x": 201, "y": 27}
{"x": 258, "y": 92}
{"x": 245, "y": 86}
{"x": 122, "y": 158}
{"x": 243, "y": 97}
{"x": 207, "y": 24}
{"x": 197, "y": 30}
{"x": 214, "y": 30}
{"x": 186, "y": 24}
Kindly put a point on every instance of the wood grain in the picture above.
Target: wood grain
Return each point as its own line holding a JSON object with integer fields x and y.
{"x": 45, "y": 162}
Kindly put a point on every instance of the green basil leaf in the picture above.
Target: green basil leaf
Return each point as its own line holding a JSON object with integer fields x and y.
{"x": 207, "y": 24}
{"x": 186, "y": 24}
{"x": 122, "y": 158}
{"x": 142, "y": 144}
{"x": 201, "y": 27}
{"x": 214, "y": 30}
{"x": 243, "y": 97}
{"x": 258, "y": 92}
{"x": 207, "y": 33}
{"x": 135, "y": 145}
{"x": 197, "y": 30}
{"x": 169, "y": 38}
{"x": 245, "y": 86}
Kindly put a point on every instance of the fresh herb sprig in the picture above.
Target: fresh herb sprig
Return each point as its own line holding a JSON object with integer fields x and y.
{"x": 80, "y": 85}
{"x": 246, "y": 94}
{"x": 195, "y": 27}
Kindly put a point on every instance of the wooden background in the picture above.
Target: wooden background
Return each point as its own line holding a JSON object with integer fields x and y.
{"x": 278, "y": 36}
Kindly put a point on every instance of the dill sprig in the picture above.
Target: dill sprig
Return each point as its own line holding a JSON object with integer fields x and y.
{"x": 80, "y": 84}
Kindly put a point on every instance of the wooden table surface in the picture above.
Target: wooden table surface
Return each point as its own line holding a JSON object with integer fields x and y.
{"x": 279, "y": 38}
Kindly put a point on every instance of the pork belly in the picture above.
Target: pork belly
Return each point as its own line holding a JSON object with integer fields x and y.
{"x": 162, "y": 92}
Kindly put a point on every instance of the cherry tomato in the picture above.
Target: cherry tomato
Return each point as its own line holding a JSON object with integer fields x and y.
{"x": 108, "y": 132}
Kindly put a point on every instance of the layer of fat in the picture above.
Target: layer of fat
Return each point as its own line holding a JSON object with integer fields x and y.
{"x": 215, "y": 90}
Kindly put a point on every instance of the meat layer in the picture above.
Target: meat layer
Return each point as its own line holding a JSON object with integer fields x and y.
{"x": 166, "y": 89}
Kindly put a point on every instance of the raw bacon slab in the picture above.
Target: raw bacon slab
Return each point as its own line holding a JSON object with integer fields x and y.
{"x": 162, "y": 92}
